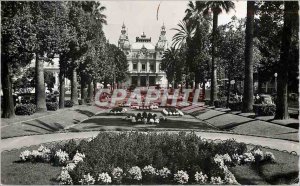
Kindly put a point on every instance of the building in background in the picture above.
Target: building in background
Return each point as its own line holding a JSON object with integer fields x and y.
{"x": 144, "y": 59}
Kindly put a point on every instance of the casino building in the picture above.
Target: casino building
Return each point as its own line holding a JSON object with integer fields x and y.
{"x": 144, "y": 59}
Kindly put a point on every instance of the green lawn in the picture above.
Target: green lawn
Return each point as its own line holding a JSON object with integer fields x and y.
{"x": 284, "y": 171}
{"x": 102, "y": 124}
{"x": 51, "y": 122}
{"x": 16, "y": 173}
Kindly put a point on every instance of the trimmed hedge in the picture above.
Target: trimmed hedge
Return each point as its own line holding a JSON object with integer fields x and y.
{"x": 264, "y": 109}
{"x": 25, "y": 109}
{"x": 69, "y": 103}
{"x": 52, "y": 106}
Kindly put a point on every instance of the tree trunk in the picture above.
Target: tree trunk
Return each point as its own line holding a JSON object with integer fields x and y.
{"x": 40, "y": 94}
{"x": 61, "y": 89}
{"x": 83, "y": 91}
{"x": 203, "y": 90}
{"x": 74, "y": 93}
{"x": 248, "y": 85}
{"x": 213, "y": 89}
{"x": 282, "y": 86}
{"x": 95, "y": 87}
{"x": 8, "y": 110}
{"x": 90, "y": 91}
{"x": 228, "y": 90}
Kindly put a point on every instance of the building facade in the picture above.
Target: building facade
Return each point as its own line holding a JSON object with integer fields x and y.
{"x": 144, "y": 59}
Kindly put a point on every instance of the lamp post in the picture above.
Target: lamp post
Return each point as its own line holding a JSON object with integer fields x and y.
{"x": 275, "y": 75}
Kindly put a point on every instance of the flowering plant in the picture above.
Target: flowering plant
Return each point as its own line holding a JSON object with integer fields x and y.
{"x": 164, "y": 172}
{"x": 70, "y": 166}
{"x": 64, "y": 178}
{"x": 61, "y": 157}
{"x": 25, "y": 155}
{"x": 78, "y": 157}
{"x": 269, "y": 156}
{"x": 258, "y": 155}
{"x": 117, "y": 174}
{"x": 248, "y": 157}
{"x": 135, "y": 173}
{"x": 104, "y": 178}
{"x": 149, "y": 170}
{"x": 87, "y": 180}
{"x": 200, "y": 178}
{"x": 216, "y": 180}
{"x": 181, "y": 177}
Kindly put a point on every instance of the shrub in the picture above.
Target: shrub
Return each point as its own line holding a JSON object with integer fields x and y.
{"x": 264, "y": 109}
{"x": 52, "y": 106}
{"x": 220, "y": 103}
{"x": 79, "y": 102}
{"x": 269, "y": 157}
{"x": 235, "y": 106}
{"x": 25, "y": 109}
{"x": 69, "y": 103}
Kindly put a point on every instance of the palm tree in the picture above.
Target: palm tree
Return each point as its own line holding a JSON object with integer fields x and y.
{"x": 199, "y": 42}
{"x": 290, "y": 25}
{"x": 216, "y": 7}
{"x": 182, "y": 39}
{"x": 169, "y": 62}
{"x": 248, "y": 85}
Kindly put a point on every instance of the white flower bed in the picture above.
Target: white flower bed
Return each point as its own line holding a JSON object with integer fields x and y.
{"x": 181, "y": 177}
{"x": 174, "y": 112}
{"x": 135, "y": 173}
{"x": 104, "y": 178}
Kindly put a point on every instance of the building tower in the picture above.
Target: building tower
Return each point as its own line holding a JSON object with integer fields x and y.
{"x": 123, "y": 42}
{"x": 162, "y": 41}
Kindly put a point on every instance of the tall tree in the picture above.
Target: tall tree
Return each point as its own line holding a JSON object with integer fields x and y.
{"x": 248, "y": 99}
{"x": 216, "y": 7}
{"x": 43, "y": 21}
{"x": 291, "y": 23}
{"x": 183, "y": 40}
{"x": 17, "y": 42}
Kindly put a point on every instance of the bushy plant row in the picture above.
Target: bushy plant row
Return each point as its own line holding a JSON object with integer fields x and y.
{"x": 264, "y": 109}
{"x": 52, "y": 106}
{"x": 144, "y": 118}
{"x": 135, "y": 158}
{"x": 25, "y": 109}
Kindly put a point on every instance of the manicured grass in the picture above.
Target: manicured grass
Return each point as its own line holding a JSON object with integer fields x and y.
{"x": 284, "y": 171}
{"x": 98, "y": 123}
{"x": 49, "y": 123}
{"x": 15, "y": 173}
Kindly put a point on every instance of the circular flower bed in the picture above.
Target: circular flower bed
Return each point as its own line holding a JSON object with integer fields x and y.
{"x": 145, "y": 118}
{"x": 139, "y": 158}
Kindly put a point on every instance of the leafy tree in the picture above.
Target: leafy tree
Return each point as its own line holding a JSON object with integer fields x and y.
{"x": 291, "y": 24}
{"x": 183, "y": 40}
{"x": 216, "y": 7}
{"x": 231, "y": 47}
{"x": 43, "y": 20}
{"x": 17, "y": 39}
{"x": 170, "y": 63}
{"x": 199, "y": 46}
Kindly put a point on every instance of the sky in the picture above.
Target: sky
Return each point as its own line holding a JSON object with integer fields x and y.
{"x": 140, "y": 16}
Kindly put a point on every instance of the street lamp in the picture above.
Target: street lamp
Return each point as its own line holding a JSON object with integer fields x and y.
{"x": 275, "y": 75}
